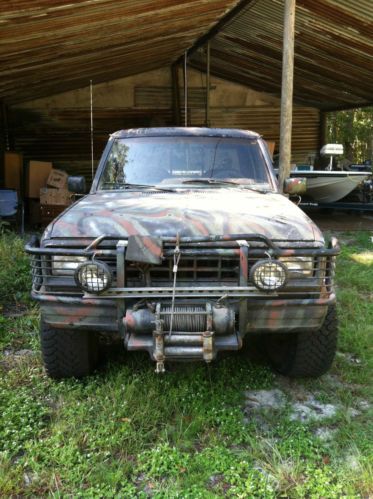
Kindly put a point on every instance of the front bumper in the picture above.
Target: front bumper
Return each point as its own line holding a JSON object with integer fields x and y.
{"x": 301, "y": 306}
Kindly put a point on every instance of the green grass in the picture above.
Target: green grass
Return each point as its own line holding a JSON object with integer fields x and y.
{"x": 126, "y": 432}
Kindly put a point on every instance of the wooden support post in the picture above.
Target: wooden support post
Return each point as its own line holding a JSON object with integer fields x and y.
{"x": 175, "y": 94}
{"x": 208, "y": 85}
{"x": 287, "y": 91}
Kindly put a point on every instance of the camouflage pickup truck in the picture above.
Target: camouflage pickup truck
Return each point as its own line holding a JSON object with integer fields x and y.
{"x": 185, "y": 248}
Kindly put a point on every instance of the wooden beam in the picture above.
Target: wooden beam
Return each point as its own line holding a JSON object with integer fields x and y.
{"x": 348, "y": 107}
{"x": 218, "y": 26}
{"x": 287, "y": 91}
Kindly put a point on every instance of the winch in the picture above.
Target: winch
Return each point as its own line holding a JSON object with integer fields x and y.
{"x": 198, "y": 331}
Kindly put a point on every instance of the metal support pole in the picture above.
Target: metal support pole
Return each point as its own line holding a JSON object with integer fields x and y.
{"x": 91, "y": 107}
{"x": 175, "y": 94}
{"x": 208, "y": 85}
{"x": 185, "y": 89}
{"x": 287, "y": 91}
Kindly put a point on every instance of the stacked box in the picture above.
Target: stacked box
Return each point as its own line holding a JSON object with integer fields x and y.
{"x": 55, "y": 197}
{"x": 36, "y": 177}
{"x": 13, "y": 169}
{"x": 57, "y": 179}
{"x": 50, "y": 195}
{"x": 56, "y": 192}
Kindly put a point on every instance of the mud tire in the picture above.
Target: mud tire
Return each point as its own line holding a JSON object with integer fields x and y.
{"x": 305, "y": 355}
{"x": 68, "y": 353}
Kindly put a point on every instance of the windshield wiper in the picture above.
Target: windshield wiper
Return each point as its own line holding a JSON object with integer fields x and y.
{"x": 147, "y": 186}
{"x": 139, "y": 186}
{"x": 209, "y": 181}
{"x": 214, "y": 181}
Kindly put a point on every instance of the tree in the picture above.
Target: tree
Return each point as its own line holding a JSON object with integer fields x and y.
{"x": 353, "y": 129}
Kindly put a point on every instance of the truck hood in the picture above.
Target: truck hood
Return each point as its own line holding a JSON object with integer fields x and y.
{"x": 216, "y": 211}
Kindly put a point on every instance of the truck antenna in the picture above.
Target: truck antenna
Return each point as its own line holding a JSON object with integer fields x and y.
{"x": 185, "y": 89}
{"x": 91, "y": 95}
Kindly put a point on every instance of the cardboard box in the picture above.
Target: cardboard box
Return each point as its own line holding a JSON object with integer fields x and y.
{"x": 36, "y": 177}
{"x": 57, "y": 179}
{"x": 13, "y": 165}
{"x": 271, "y": 147}
{"x": 50, "y": 195}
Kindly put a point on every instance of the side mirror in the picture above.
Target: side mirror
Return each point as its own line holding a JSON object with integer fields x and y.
{"x": 295, "y": 186}
{"x": 76, "y": 184}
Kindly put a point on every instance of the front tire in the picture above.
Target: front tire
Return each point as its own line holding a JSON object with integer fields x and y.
{"x": 308, "y": 354}
{"x": 68, "y": 353}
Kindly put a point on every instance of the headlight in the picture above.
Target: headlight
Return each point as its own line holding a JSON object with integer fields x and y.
{"x": 298, "y": 266}
{"x": 268, "y": 275}
{"x": 66, "y": 265}
{"x": 93, "y": 277}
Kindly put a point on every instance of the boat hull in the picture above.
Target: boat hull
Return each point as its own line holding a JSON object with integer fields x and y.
{"x": 330, "y": 186}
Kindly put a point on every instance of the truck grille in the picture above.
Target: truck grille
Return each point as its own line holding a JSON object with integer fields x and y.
{"x": 196, "y": 271}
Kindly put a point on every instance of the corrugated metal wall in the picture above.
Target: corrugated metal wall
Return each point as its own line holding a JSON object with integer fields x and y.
{"x": 266, "y": 121}
{"x": 63, "y": 135}
{"x": 58, "y": 129}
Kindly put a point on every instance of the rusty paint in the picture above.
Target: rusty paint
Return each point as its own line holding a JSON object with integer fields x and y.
{"x": 44, "y": 53}
{"x": 333, "y": 51}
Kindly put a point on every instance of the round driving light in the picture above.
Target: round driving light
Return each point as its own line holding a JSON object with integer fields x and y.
{"x": 268, "y": 275}
{"x": 93, "y": 277}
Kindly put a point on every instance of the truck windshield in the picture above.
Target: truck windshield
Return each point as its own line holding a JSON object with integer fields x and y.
{"x": 149, "y": 161}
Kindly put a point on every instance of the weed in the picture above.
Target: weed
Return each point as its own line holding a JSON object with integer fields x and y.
{"x": 125, "y": 432}
{"x": 15, "y": 276}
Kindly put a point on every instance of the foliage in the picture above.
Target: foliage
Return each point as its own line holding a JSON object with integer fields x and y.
{"x": 15, "y": 277}
{"x": 125, "y": 432}
{"x": 353, "y": 129}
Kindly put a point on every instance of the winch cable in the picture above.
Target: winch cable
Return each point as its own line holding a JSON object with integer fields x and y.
{"x": 177, "y": 255}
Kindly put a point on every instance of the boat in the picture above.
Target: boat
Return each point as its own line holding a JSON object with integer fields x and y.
{"x": 326, "y": 186}
{"x": 329, "y": 186}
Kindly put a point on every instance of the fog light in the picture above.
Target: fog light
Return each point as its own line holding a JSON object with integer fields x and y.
{"x": 268, "y": 275}
{"x": 93, "y": 277}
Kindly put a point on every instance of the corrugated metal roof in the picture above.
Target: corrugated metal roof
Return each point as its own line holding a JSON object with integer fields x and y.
{"x": 49, "y": 47}
{"x": 333, "y": 50}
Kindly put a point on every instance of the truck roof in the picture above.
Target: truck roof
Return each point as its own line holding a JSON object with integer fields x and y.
{"x": 185, "y": 132}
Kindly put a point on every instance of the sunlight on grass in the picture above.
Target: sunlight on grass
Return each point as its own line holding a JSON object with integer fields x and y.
{"x": 125, "y": 432}
{"x": 365, "y": 258}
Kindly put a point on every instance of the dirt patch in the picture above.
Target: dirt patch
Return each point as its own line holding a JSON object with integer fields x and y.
{"x": 312, "y": 410}
{"x": 12, "y": 358}
{"x": 325, "y": 434}
{"x": 265, "y": 399}
{"x": 264, "y": 406}
{"x": 350, "y": 358}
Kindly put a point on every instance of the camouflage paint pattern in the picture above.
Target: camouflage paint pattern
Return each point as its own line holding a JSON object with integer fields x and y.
{"x": 214, "y": 222}
{"x": 221, "y": 211}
